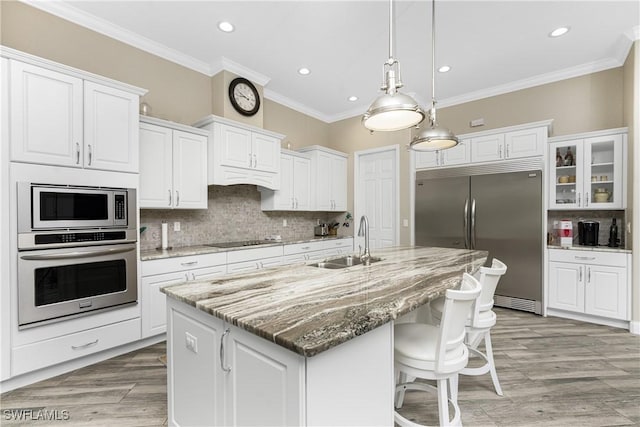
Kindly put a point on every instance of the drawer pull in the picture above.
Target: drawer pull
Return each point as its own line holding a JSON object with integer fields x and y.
{"x": 585, "y": 258}
{"x": 186, "y": 264}
{"x": 222, "y": 352}
{"x": 306, "y": 248}
{"x": 89, "y": 344}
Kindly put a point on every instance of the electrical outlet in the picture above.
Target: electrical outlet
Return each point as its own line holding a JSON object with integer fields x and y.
{"x": 405, "y": 222}
{"x": 284, "y": 222}
{"x": 176, "y": 226}
{"x": 191, "y": 342}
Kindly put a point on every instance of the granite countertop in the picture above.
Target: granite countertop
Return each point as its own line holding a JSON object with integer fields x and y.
{"x": 203, "y": 249}
{"x": 309, "y": 310}
{"x": 592, "y": 248}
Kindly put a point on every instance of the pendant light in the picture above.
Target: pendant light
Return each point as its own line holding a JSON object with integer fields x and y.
{"x": 393, "y": 110}
{"x": 434, "y": 137}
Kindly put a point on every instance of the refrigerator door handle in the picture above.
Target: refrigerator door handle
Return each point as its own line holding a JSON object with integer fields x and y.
{"x": 473, "y": 224}
{"x": 466, "y": 224}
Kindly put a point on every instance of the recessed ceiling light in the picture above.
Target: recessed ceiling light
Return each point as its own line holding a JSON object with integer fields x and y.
{"x": 444, "y": 69}
{"x": 353, "y": 98}
{"x": 559, "y": 32}
{"x": 225, "y": 26}
{"x": 304, "y": 71}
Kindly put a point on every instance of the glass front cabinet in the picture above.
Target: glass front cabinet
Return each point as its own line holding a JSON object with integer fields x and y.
{"x": 587, "y": 173}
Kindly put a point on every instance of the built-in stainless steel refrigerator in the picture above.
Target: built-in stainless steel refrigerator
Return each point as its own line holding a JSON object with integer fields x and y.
{"x": 493, "y": 208}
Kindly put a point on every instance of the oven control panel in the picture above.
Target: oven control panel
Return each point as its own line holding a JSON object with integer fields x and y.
{"x": 120, "y": 206}
{"x": 47, "y": 239}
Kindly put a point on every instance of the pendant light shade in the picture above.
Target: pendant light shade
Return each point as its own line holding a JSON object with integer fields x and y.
{"x": 434, "y": 137}
{"x": 393, "y": 110}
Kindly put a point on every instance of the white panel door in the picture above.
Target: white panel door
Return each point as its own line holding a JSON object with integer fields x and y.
{"x": 458, "y": 155}
{"x": 377, "y": 198}
{"x": 235, "y": 148}
{"x": 156, "y": 166}
{"x": 302, "y": 183}
{"x": 324, "y": 199}
{"x": 566, "y": 286}
{"x": 266, "y": 152}
{"x": 487, "y": 148}
{"x": 606, "y": 292}
{"x": 196, "y": 386}
{"x": 189, "y": 170}
{"x": 285, "y": 195}
{"x": 110, "y": 128}
{"x": 46, "y": 116}
{"x": 256, "y": 366}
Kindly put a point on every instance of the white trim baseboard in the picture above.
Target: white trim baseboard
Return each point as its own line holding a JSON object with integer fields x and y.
{"x": 634, "y": 327}
{"x": 623, "y": 324}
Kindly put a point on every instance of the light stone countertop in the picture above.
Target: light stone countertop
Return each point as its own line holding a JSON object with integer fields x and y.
{"x": 592, "y": 248}
{"x": 203, "y": 249}
{"x": 309, "y": 310}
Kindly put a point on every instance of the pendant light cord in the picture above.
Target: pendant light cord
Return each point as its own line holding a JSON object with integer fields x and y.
{"x": 390, "y": 32}
{"x": 433, "y": 62}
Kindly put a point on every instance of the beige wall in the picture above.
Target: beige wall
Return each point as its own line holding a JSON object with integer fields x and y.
{"x": 300, "y": 130}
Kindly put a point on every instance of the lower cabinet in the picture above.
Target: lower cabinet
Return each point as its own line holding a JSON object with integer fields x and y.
{"x": 590, "y": 282}
{"x": 157, "y": 274}
{"x": 248, "y": 260}
{"x": 220, "y": 375}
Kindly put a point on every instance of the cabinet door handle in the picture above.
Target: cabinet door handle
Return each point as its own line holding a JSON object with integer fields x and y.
{"x": 186, "y": 264}
{"x": 255, "y": 161}
{"x": 500, "y": 151}
{"x": 580, "y": 278}
{"x": 578, "y": 199}
{"x": 442, "y": 158}
{"x": 222, "y": 352}
{"x": 186, "y": 276}
{"x": 306, "y": 248}
{"x": 585, "y": 258}
{"x": 193, "y": 276}
{"x": 586, "y": 199}
{"x": 296, "y": 203}
{"x": 250, "y": 159}
{"x": 89, "y": 344}
{"x": 169, "y": 196}
{"x": 293, "y": 203}
{"x": 90, "y": 154}
{"x": 177, "y": 198}
{"x": 588, "y": 274}
{"x": 77, "y": 153}
{"x": 507, "y": 149}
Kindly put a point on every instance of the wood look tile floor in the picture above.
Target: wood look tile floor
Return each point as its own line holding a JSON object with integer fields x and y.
{"x": 554, "y": 372}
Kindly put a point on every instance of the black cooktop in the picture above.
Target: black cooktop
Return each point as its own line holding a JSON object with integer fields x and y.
{"x": 239, "y": 244}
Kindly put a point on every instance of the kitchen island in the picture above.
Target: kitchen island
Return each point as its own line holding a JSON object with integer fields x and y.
{"x": 299, "y": 345}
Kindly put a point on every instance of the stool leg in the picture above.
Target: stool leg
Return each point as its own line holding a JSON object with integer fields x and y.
{"x": 453, "y": 388}
{"x": 401, "y": 379}
{"x": 443, "y": 403}
{"x": 492, "y": 365}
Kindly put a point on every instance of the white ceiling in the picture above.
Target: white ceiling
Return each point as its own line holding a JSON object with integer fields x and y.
{"x": 492, "y": 46}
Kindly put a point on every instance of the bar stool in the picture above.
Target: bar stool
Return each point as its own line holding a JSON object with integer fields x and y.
{"x": 480, "y": 330}
{"x": 435, "y": 352}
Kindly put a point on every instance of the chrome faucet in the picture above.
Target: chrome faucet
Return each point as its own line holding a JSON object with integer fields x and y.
{"x": 364, "y": 231}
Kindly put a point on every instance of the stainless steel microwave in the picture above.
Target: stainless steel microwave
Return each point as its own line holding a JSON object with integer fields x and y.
{"x": 54, "y": 207}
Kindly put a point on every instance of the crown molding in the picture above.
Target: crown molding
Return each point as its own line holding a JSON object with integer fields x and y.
{"x": 225, "y": 64}
{"x": 288, "y": 102}
{"x": 79, "y": 17}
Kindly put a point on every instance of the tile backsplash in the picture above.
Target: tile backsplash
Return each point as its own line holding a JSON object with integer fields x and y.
{"x": 234, "y": 214}
{"x": 603, "y": 217}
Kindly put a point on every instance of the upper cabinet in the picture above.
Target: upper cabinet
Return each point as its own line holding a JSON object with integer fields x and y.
{"x": 587, "y": 171}
{"x": 496, "y": 145}
{"x": 173, "y": 165}
{"x": 295, "y": 185}
{"x": 64, "y": 117}
{"x": 241, "y": 154}
{"x": 328, "y": 178}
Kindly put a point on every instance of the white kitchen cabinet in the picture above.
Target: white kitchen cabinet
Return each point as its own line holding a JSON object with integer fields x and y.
{"x": 596, "y": 178}
{"x": 241, "y": 154}
{"x": 339, "y": 247}
{"x": 163, "y": 272}
{"x": 221, "y": 375}
{"x": 247, "y": 260}
{"x": 173, "y": 165}
{"x": 509, "y": 145}
{"x": 5, "y": 251}
{"x": 295, "y": 185}
{"x": 589, "y": 282}
{"x": 64, "y": 120}
{"x": 328, "y": 178}
{"x": 302, "y": 252}
{"x": 458, "y": 155}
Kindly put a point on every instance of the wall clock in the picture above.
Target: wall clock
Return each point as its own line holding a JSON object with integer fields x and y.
{"x": 244, "y": 96}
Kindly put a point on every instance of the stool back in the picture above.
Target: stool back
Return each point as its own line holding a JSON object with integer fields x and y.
{"x": 488, "y": 278}
{"x": 457, "y": 307}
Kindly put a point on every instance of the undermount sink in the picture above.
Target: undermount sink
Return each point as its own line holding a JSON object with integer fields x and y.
{"x": 343, "y": 262}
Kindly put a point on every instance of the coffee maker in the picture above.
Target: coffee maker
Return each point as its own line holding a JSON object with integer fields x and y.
{"x": 588, "y": 233}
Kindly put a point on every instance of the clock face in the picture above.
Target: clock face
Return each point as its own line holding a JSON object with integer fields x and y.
{"x": 244, "y": 96}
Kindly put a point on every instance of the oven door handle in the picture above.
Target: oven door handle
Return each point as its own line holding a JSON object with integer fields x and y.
{"x": 76, "y": 254}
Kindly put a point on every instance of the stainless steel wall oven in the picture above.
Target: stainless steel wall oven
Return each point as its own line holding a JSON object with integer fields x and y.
{"x": 76, "y": 251}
